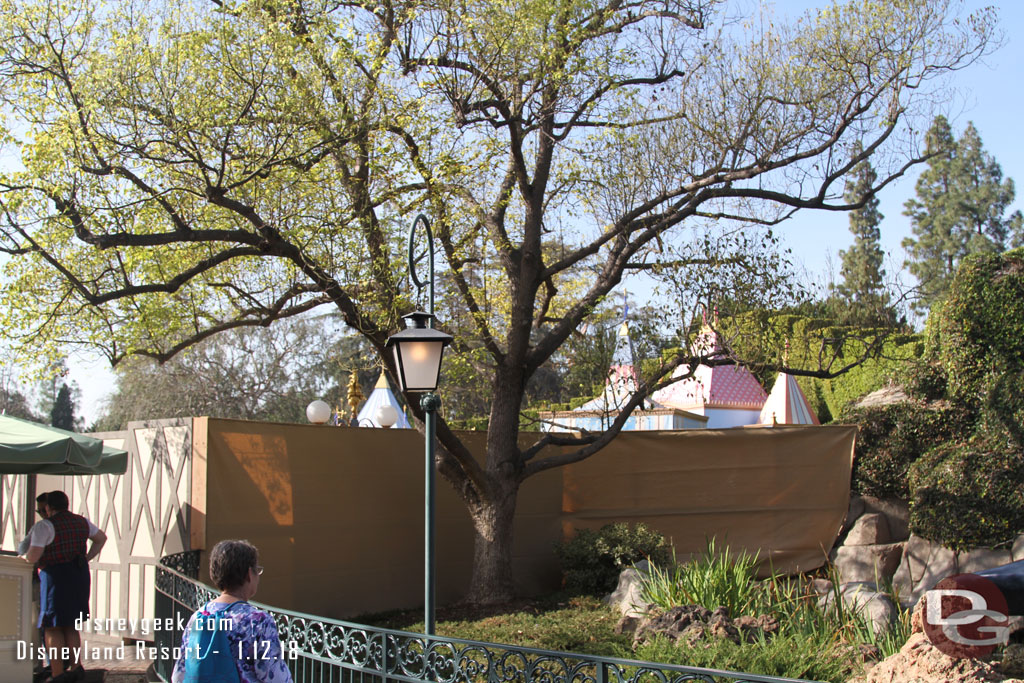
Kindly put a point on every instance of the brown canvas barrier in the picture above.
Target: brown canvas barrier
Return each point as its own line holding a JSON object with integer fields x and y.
{"x": 337, "y": 512}
{"x": 780, "y": 491}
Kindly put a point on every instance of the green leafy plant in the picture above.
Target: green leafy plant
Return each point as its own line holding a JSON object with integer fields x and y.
{"x": 592, "y": 560}
{"x": 893, "y": 437}
{"x": 969, "y": 495}
{"x": 715, "y": 578}
{"x": 822, "y": 642}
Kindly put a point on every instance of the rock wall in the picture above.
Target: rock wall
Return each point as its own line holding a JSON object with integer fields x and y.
{"x": 875, "y": 546}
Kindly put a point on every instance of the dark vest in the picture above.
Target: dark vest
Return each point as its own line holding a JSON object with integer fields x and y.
{"x": 71, "y": 531}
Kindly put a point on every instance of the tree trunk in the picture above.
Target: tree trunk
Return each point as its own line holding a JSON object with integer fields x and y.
{"x": 493, "y": 516}
{"x": 492, "y": 548}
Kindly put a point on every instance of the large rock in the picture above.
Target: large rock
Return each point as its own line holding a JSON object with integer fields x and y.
{"x": 923, "y": 565}
{"x": 981, "y": 558}
{"x": 919, "y": 661}
{"x": 860, "y": 563}
{"x": 626, "y": 597}
{"x": 853, "y": 513}
{"x": 1018, "y": 548}
{"x": 897, "y": 514}
{"x": 693, "y": 624}
{"x": 866, "y": 599}
{"x": 887, "y": 395}
{"x": 871, "y": 528}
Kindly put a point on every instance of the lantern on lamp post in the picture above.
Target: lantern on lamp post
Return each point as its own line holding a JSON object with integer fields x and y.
{"x": 417, "y": 351}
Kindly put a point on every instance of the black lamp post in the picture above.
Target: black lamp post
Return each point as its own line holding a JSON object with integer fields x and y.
{"x": 418, "y": 350}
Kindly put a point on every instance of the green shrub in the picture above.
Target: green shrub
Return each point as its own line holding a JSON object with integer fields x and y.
{"x": 969, "y": 495}
{"x": 979, "y": 328}
{"x": 760, "y": 339}
{"x": 716, "y": 578}
{"x": 592, "y": 560}
{"x": 924, "y": 379}
{"x": 476, "y": 424}
{"x": 893, "y": 437}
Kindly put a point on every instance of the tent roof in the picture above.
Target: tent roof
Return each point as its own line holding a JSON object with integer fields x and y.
{"x": 787, "y": 404}
{"x": 721, "y": 386}
{"x": 382, "y": 395}
{"x": 30, "y": 448}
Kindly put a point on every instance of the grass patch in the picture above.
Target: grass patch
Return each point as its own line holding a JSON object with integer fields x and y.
{"x": 812, "y": 643}
{"x": 788, "y": 655}
{"x": 569, "y": 623}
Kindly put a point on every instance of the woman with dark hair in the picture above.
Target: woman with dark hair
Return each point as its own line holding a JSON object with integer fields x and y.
{"x": 252, "y": 634}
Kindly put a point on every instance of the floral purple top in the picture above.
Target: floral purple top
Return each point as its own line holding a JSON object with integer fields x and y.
{"x": 254, "y": 640}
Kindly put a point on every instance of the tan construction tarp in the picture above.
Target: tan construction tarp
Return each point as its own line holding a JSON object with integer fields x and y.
{"x": 337, "y": 512}
{"x": 781, "y": 491}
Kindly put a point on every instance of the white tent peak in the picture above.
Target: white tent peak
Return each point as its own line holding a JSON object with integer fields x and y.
{"x": 787, "y": 404}
{"x": 381, "y": 395}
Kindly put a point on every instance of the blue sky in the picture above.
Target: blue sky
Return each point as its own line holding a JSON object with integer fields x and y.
{"x": 991, "y": 94}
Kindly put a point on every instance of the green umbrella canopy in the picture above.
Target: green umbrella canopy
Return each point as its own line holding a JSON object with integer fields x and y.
{"x": 31, "y": 448}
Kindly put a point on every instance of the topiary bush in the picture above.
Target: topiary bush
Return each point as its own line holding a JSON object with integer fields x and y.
{"x": 970, "y": 494}
{"x": 592, "y": 560}
{"x": 893, "y": 437}
{"x": 979, "y": 329}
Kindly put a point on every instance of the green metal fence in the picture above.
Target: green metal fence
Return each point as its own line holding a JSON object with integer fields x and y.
{"x": 330, "y": 651}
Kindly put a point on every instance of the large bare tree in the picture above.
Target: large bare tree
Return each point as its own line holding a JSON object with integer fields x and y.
{"x": 191, "y": 168}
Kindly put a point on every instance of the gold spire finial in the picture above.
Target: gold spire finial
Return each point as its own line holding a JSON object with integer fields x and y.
{"x": 355, "y": 393}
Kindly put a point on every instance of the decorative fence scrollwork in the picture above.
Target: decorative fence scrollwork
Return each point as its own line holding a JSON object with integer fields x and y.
{"x": 343, "y": 652}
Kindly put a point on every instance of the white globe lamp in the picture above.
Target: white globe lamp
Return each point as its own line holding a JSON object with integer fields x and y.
{"x": 386, "y": 416}
{"x": 318, "y": 412}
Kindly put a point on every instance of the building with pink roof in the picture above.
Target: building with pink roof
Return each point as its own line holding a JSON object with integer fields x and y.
{"x": 728, "y": 395}
{"x": 620, "y": 385}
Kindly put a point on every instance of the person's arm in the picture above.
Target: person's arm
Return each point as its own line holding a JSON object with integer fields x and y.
{"x": 96, "y": 545}
{"x": 40, "y": 535}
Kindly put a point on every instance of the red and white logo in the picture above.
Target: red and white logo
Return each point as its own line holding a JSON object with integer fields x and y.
{"x": 965, "y": 616}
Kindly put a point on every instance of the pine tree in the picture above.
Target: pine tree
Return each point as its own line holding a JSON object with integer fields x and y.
{"x": 988, "y": 197}
{"x": 961, "y": 199}
{"x": 862, "y": 263}
{"x": 63, "y": 414}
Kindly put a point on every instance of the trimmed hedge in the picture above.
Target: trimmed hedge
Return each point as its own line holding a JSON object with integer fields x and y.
{"x": 760, "y": 337}
{"x": 892, "y": 438}
{"x": 592, "y": 560}
{"x": 969, "y": 495}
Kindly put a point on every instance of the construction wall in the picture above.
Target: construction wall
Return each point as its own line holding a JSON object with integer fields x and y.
{"x": 337, "y": 514}
{"x": 782, "y": 491}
